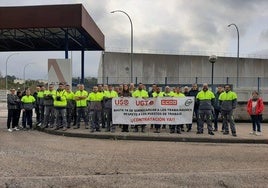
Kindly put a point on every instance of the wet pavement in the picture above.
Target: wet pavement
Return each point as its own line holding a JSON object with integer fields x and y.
{"x": 37, "y": 159}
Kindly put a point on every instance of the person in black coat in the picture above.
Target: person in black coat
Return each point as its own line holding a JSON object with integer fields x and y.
{"x": 13, "y": 102}
{"x": 125, "y": 93}
{"x": 193, "y": 93}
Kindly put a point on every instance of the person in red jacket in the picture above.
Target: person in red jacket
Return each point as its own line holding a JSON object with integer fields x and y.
{"x": 255, "y": 108}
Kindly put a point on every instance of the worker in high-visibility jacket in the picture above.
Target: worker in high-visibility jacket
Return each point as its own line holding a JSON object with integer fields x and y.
{"x": 125, "y": 93}
{"x": 178, "y": 94}
{"x": 36, "y": 109}
{"x": 40, "y": 103}
{"x": 107, "y": 98}
{"x": 167, "y": 93}
{"x": 95, "y": 107}
{"x": 205, "y": 101}
{"x": 28, "y": 103}
{"x": 228, "y": 102}
{"x": 140, "y": 93}
{"x": 60, "y": 103}
{"x": 155, "y": 94}
{"x": 49, "y": 118}
{"x": 80, "y": 98}
{"x": 70, "y": 105}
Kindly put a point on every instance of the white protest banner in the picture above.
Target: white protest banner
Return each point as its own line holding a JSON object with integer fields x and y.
{"x": 166, "y": 110}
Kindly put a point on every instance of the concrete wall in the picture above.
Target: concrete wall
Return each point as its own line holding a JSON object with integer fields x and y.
{"x": 241, "y": 114}
{"x": 185, "y": 70}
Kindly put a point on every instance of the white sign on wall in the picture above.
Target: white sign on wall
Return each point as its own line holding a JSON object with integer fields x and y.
{"x": 165, "y": 110}
{"x": 59, "y": 70}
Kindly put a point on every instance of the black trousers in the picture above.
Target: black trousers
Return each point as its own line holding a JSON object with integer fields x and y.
{"x": 17, "y": 118}
{"x": 108, "y": 113}
{"x": 37, "y": 112}
{"x": 12, "y": 116}
{"x": 82, "y": 112}
{"x": 27, "y": 119}
{"x": 41, "y": 113}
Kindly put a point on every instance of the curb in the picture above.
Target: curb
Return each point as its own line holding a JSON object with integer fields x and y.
{"x": 115, "y": 136}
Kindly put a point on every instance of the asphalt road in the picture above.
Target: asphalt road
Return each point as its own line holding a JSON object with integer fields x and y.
{"x": 36, "y": 159}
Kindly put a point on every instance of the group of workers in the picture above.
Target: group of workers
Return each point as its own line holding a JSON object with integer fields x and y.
{"x": 62, "y": 108}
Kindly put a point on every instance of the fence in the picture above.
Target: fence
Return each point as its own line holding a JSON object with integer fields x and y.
{"x": 256, "y": 83}
{"x": 3, "y": 95}
{"x": 243, "y": 85}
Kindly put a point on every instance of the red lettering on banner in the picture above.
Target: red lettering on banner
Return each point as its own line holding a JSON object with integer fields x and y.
{"x": 170, "y": 119}
{"x": 144, "y": 103}
{"x": 169, "y": 102}
{"x": 121, "y": 102}
{"x": 144, "y": 119}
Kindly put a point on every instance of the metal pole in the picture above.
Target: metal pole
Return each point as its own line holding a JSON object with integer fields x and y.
{"x": 131, "y": 44}
{"x": 259, "y": 83}
{"x": 66, "y": 43}
{"x": 212, "y": 59}
{"x": 103, "y": 71}
{"x": 237, "y": 60}
{"x": 212, "y": 76}
{"x": 6, "y": 65}
{"x": 83, "y": 66}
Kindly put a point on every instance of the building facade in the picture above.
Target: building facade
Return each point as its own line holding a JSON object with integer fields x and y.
{"x": 114, "y": 68}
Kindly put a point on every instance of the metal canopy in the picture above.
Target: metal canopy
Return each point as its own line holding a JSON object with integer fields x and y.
{"x": 45, "y": 39}
{"x": 48, "y": 28}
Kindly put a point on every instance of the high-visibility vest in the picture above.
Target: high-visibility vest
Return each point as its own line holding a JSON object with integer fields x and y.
{"x": 160, "y": 94}
{"x": 81, "y": 102}
{"x": 179, "y": 95}
{"x": 110, "y": 94}
{"x": 40, "y": 94}
{"x": 69, "y": 95}
{"x": 140, "y": 94}
{"x": 98, "y": 96}
{"x": 170, "y": 94}
{"x": 28, "y": 99}
{"x": 205, "y": 95}
{"x": 227, "y": 96}
{"x": 28, "y": 102}
{"x": 62, "y": 96}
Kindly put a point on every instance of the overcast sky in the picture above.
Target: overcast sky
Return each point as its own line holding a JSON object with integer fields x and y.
{"x": 181, "y": 26}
